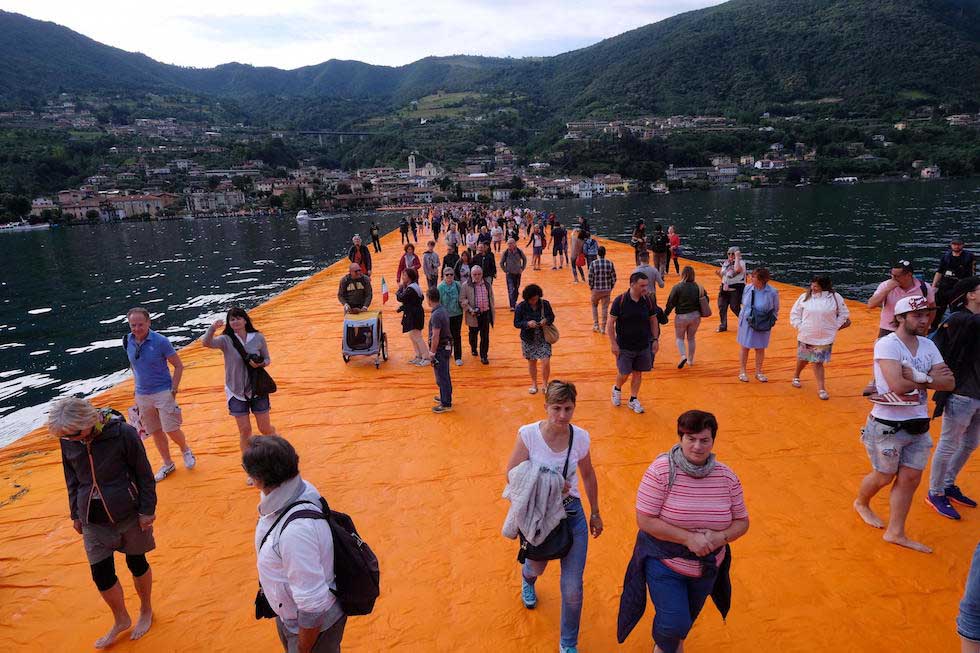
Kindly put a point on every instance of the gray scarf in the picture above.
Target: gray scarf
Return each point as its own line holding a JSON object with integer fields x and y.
{"x": 677, "y": 461}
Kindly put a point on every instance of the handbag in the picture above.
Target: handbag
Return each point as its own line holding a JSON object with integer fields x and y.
{"x": 580, "y": 260}
{"x": 760, "y": 320}
{"x": 559, "y": 540}
{"x": 704, "y": 303}
{"x": 261, "y": 381}
{"x": 549, "y": 331}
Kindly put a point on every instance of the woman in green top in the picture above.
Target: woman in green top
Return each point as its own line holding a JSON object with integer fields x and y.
{"x": 685, "y": 298}
{"x": 449, "y": 297}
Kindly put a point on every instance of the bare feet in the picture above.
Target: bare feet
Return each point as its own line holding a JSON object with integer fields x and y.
{"x": 902, "y": 540}
{"x": 109, "y": 638}
{"x": 868, "y": 515}
{"x": 143, "y": 624}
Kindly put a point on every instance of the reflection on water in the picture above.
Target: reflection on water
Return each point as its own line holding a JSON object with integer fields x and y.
{"x": 65, "y": 293}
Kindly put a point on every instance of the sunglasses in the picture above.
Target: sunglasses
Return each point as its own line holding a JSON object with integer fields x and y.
{"x": 904, "y": 264}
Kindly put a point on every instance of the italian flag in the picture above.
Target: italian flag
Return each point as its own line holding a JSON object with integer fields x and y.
{"x": 384, "y": 291}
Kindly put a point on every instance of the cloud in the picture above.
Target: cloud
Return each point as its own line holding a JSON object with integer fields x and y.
{"x": 294, "y": 33}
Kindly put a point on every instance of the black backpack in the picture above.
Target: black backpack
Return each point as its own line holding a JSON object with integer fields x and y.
{"x": 660, "y": 242}
{"x": 356, "y": 568}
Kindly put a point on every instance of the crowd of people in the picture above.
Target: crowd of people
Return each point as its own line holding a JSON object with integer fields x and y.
{"x": 689, "y": 506}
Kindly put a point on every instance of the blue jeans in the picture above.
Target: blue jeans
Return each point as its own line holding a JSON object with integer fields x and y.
{"x": 958, "y": 439}
{"x": 572, "y": 569}
{"x": 513, "y": 286}
{"x": 968, "y": 622}
{"x": 441, "y": 367}
{"x": 677, "y": 600}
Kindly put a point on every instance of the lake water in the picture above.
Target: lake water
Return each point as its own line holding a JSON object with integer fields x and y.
{"x": 65, "y": 291}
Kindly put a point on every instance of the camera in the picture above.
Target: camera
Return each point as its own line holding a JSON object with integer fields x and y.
{"x": 256, "y": 358}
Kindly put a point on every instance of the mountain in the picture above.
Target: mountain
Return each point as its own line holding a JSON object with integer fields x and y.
{"x": 743, "y": 55}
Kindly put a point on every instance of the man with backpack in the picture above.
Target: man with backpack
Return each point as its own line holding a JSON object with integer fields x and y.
{"x": 314, "y": 570}
{"x": 634, "y": 331}
{"x": 955, "y": 265}
{"x": 660, "y": 246}
{"x": 958, "y": 340}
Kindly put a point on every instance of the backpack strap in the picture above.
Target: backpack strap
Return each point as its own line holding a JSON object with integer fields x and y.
{"x": 284, "y": 512}
{"x": 922, "y": 289}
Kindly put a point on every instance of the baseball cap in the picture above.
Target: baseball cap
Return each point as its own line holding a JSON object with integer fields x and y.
{"x": 956, "y": 241}
{"x": 905, "y": 264}
{"x": 912, "y": 304}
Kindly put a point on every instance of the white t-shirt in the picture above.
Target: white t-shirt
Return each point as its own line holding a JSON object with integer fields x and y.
{"x": 542, "y": 454}
{"x": 891, "y": 348}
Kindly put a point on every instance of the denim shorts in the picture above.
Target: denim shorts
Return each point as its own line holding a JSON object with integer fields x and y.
{"x": 256, "y": 405}
{"x": 888, "y": 449}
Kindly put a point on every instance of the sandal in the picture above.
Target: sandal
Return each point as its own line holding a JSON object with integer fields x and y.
{"x": 762, "y": 378}
{"x": 533, "y": 390}
{"x": 796, "y": 383}
{"x": 743, "y": 377}
{"x": 823, "y": 394}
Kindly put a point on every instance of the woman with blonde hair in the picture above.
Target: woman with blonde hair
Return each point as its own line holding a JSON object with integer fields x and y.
{"x": 554, "y": 443}
{"x": 112, "y": 501}
{"x": 685, "y": 298}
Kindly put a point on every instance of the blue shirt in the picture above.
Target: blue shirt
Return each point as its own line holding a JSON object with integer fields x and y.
{"x": 149, "y": 363}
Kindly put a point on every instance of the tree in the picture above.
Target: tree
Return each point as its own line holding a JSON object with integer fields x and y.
{"x": 242, "y": 183}
{"x": 18, "y": 205}
{"x": 367, "y": 186}
{"x": 516, "y": 182}
{"x": 92, "y": 215}
{"x": 275, "y": 201}
{"x": 213, "y": 182}
{"x": 445, "y": 184}
{"x": 343, "y": 188}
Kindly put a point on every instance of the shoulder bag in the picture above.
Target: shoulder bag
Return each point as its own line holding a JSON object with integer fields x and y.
{"x": 261, "y": 381}
{"x": 704, "y": 303}
{"x": 760, "y": 320}
{"x": 559, "y": 540}
{"x": 549, "y": 331}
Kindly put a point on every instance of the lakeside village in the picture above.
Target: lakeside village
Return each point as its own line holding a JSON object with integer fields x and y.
{"x": 161, "y": 170}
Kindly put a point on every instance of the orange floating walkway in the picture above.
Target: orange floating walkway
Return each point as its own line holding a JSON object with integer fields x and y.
{"x": 425, "y": 491}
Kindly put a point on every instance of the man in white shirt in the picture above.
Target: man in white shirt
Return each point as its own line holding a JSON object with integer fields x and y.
{"x": 896, "y": 435}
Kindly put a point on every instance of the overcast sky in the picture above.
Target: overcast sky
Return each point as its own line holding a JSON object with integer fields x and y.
{"x": 294, "y": 33}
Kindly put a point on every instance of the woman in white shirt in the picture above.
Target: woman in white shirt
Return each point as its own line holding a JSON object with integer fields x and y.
{"x": 546, "y": 443}
{"x": 817, "y": 315}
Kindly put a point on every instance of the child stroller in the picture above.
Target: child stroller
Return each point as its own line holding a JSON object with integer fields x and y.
{"x": 364, "y": 336}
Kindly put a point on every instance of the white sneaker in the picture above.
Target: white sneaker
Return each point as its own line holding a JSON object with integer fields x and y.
{"x": 189, "y": 459}
{"x": 617, "y": 397}
{"x": 635, "y": 405}
{"x": 164, "y": 472}
{"x": 459, "y": 362}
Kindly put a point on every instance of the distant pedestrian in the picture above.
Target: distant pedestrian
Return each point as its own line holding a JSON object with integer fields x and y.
{"x": 414, "y": 225}
{"x": 755, "y": 322}
{"x": 956, "y": 264}
{"x": 451, "y": 258}
{"x": 639, "y": 240}
{"x": 531, "y": 316}
{"x": 453, "y": 238}
{"x": 536, "y": 241}
{"x": 685, "y": 298}
{"x": 449, "y": 292}
{"x": 150, "y": 355}
{"x": 652, "y": 274}
{"x": 554, "y": 446}
{"x": 294, "y": 556}
{"x": 472, "y": 238}
{"x": 408, "y": 260}
{"x": 112, "y": 501}
{"x": 239, "y": 392}
{"x": 497, "y": 237}
{"x": 436, "y": 227}
{"x": 902, "y": 283}
{"x": 431, "y": 265}
{"x": 590, "y": 247}
{"x": 602, "y": 280}
{"x": 576, "y": 256}
{"x": 463, "y": 266}
{"x": 559, "y": 246}
{"x": 375, "y": 237}
{"x": 958, "y": 340}
{"x": 634, "y": 333}
{"x": 817, "y": 315}
{"x": 689, "y": 508}
{"x": 732, "y": 273}
{"x": 410, "y": 295}
{"x": 477, "y": 303}
{"x": 675, "y": 247}
{"x": 485, "y": 259}
{"x": 359, "y": 253}
{"x": 513, "y": 262}
{"x": 660, "y": 246}
{"x": 403, "y": 230}
{"x": 896, "y": 435}
{"x": 440, "y": 350}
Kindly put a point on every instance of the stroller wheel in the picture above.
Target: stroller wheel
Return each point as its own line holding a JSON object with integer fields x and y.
{"x": 384, "y": 346}
{"x": 346, "y": 358}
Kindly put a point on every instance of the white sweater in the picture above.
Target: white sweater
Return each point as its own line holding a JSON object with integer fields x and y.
{"x": 819, "y": 319}
{"x": 535, "y": 494}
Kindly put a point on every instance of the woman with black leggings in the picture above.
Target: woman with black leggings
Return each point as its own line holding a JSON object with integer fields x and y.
{"x": 112, "y": 510}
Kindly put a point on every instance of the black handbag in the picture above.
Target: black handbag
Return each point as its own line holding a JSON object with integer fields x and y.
{"x": 261, "y": 381}
{"x": 559, "y": 540}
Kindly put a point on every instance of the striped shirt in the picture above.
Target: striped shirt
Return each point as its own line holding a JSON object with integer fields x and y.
{"x": 711, "y": 502}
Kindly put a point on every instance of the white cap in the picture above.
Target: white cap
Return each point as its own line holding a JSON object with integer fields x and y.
{"x": 912, "y": 304}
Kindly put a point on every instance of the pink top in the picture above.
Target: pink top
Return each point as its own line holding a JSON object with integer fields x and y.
{"x": 711, "y": 502}
{"x": 888, "y": 308}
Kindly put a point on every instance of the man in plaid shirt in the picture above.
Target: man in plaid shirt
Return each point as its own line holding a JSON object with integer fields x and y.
{"x": 602, "y": 278}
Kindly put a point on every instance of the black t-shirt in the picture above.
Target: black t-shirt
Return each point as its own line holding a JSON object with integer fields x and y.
{"x": 659, "y": 242}
{"x": 960, "y": 347}
{"x": 960, "y": 266}
{"x": 558, "y": 235}
{"x": 632, "y": 321}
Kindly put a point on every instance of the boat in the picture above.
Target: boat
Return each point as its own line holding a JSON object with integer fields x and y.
{"x": 23, "y": 226}
{"x": 845, "y": 180}
{"x": 303, "y": 215}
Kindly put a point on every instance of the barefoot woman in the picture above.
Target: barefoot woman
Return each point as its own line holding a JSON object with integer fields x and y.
{"x": 112, "y": 498}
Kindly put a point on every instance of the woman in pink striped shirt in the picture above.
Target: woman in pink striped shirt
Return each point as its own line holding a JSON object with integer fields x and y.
{"x": 688, "y": 498}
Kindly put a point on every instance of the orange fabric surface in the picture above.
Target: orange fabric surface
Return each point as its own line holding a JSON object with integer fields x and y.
{"x": 425, "y": 492}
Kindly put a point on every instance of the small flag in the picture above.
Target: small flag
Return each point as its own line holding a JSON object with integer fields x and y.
{"x": 384, "y": 291}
